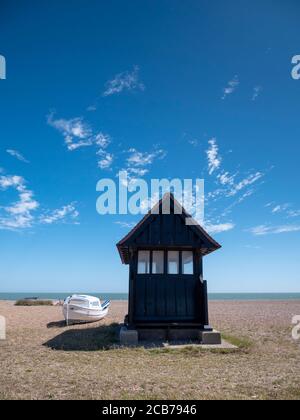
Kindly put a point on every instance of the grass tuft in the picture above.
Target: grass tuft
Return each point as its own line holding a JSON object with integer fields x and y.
{"x": 25, "y": 302}
{"x": 242, "y": 343}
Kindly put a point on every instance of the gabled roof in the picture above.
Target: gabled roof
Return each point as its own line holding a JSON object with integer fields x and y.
{"x": 193, "y": 236}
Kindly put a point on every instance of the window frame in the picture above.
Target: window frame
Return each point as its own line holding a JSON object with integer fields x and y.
{"x": 163, "y": 260}
{"x": 149, "y": 262}
{"x": 166, "y": 262}
{"x": 179, "y": 264}
{"x": 193, "y": 263}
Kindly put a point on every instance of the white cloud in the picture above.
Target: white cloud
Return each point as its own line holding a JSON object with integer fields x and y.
{"x": 231, "y": 87}
{"x": 285, "y": 209}
{"x": 25, "y": 204}
{"x": 140, "y": 172}
{"x": 92, "y": 108}
{"x": 256, "y": 92}
{"x": 106, "y": 160}
{"x": 246, "y": 182}
{"x": 17, "y": 155}
{"x": 140, "y": 159}
{"x": 11, "y": 181}
{"x": 280, "y": 208}
{"x": 294, "y": 213}
{"x": 138, "y": 163}
{"x": 66, "y": 214}
{"x": 229, "y": 187}
{"x": 263, "y": 230}
{"x": 214, "y": 160}
{"x": 76, "y": 132}
{"x": 19, "y": 215}
{"x": 102, "y": 140}
{"x": 218, "y": 228}
{"x": 22, "y": 214}
{"x": 125, "y": 81}
{"x": 246, "y": 195}
{"x": 226, "y": 179}
{"x": 127, "y": 225}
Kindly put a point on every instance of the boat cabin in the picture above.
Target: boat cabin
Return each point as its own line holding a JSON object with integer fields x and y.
{"x": 165, "y": 258}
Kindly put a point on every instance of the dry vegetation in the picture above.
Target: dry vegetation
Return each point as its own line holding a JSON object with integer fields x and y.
{"x": 43, "y": 359}
{"x": 30, "y": 302}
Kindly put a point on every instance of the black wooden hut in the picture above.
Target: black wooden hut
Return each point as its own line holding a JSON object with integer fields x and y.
{"x": 166, "y": 285}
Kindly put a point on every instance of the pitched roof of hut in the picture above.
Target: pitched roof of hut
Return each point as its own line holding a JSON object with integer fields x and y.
{"x": 157, "y": 230}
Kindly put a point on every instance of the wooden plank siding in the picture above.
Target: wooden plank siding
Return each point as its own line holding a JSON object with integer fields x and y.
{"x": 158, "y": 298}
{"x": 167, "y": 299}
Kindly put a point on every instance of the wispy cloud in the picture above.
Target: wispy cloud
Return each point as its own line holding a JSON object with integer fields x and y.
{"x": 78, "y": 133}
{"x": 126, "y": 225}
{"x": 246, "y": 182}
{"x": 230, "y": 186}
{"x": 92, "y": 108}
{"x": 106, "y": 160}
{"x": 17, "y": 155}
{"x": 126, "y": 81}
{"x": 219, "y": 228}
{"x": 294, "y": 213}
{"x": 256, "y": 92}
{"x": 225, "y": 178}
{"x": 280, "y": 208}
{"x": 231, "y": 87}
{"x": 102, "y": 140}
{"x": 66, "y": 214}
{"x": 138, "y": 163}
{"x": 23, "y": 213}
{"x": 232, "y": 189}
{"x": 214, "y": 160}
{"x": 285, "y": 209}
{"x": 140, "y": 159}
{"x": 18, "y": 215}
{"x": 263, "y": 230}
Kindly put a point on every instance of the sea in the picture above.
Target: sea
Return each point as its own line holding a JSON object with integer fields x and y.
{"x": 124, "y": 296}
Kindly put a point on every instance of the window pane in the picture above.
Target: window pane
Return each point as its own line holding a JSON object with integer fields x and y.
{"x": 158, "y": 262}
{"x": 187, "y": 262}
{"x": 173, "y": 262}
{"x": 144, "y": 262}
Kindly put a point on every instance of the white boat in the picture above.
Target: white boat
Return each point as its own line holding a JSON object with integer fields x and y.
{"x": 84, "y": 308}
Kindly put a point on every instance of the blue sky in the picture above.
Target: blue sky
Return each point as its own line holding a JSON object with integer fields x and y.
{"x": 193, "y": 89}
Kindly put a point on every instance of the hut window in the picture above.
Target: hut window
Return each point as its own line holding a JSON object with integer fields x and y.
{"x": 173, "y": 262}
{"x": 144, "y": 262}
{"x": 158, "y": 262}
{"x": 187, "y": 262}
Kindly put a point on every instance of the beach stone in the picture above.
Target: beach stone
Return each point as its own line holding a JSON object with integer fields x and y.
{"x": 210, "y": 337}
{"x": 128, "y": 337}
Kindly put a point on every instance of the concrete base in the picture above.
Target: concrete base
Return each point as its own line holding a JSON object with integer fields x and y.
{"x": 128, "y": 337}
{"x": 153, "y": 335}
{"x": 210, "y": 337}
{"x": 172, "y": 334}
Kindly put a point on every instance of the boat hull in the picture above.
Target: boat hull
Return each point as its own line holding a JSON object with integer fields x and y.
{"x": 75, "y": 314}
